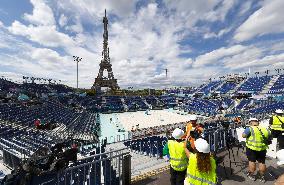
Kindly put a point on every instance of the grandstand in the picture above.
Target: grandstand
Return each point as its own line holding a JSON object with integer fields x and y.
{"x": 120, "y": 138}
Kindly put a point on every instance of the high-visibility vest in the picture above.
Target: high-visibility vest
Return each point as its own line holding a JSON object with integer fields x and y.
{"x": 178, "y": 158}
{"x": 276, "y": 124}
{"x": 194, "y": 177}
{"x": 256, "y": 141}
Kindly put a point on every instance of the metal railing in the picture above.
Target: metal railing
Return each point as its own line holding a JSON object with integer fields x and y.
{"x": 111, "y": 168}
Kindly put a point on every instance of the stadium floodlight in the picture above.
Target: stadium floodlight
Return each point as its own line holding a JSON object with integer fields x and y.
{"x": 77, "y": 59}
{"x": 167, "y": 70}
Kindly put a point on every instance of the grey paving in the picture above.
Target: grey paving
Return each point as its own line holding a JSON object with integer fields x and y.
{"x": 238, "y": 168}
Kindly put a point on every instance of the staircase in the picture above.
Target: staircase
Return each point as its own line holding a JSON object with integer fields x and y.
{"x": 124, "y": 104}
{"x": 267, "y": 87}
{"x": 140, "y": 163}
{"x": 213, "y": 90}
{"x": 237, "y": 87}
{"x": 232, "y": 107}
{"x": 144, "y": 100}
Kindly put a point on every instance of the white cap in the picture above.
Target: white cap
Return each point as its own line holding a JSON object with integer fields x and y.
{"x": 253, "y": 119}
{"x": 279, "y": 111}
{"x": 192, "y": 117}
{"x": 280, "y": 157}
{"x": 202, "y": 146}
{"x": 177, "y": 133}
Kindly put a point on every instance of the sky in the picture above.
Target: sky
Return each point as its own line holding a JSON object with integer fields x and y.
{"x": 194, "y": 40}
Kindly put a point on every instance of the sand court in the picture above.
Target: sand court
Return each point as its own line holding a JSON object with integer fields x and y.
{"x": 153, "y": 118}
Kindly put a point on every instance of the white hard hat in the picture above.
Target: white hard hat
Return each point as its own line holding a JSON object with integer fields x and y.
{"x": 177, "y": 133}
{"x": 192, "y": 117}
{"x": 202, "y": 146}
{"x": 280, "y": 157}
{"x": 279, "y": 111}
{"x": 253, "y": 119}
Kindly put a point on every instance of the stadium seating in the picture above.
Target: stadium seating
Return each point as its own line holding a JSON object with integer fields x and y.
{"x": 23, "y": 141}
{"x": 112, "y": 104}
{"x": 242, "y": 104}
{"x": 152, "y": 146}
{"x": 168, "y": 101}
{"x": 255, "y": 84}
{"x": 135, "y": 103}
{"x": 79, "y": 116}
{"x": 226, "y": 87}
{"x": 154, "y": 102}
{"x": 278, "y": 86}
{"x": 207, "y": 88}
{"x": 82, "y": 122}
{"x": 6, "y": 85}
{"x": 268, "y": 108}
{"x": 202, "y": 106}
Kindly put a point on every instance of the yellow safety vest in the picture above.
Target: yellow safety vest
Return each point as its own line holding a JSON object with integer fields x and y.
{"x": 255, "y": 140}
{"x": 178, "y": 158}
{"x": 194, "y": 177}
{"x": 276, "y": 124}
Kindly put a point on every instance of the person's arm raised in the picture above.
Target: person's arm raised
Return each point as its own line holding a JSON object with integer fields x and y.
{"x": 187, "y": 152}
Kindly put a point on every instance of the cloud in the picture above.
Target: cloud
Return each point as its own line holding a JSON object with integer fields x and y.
{"x": 221, "y": 11}
{"x": 42, "y": 14}
{"x": 268, "y": 19}
{"x": 217, "y": 35}
{"x": 213, "y": 57}
{"x": 44, "y": 35}
{"x": 141, "y": 45}
{"x": 96, "y": 8}
{"x": 63, "y": 20}
{"x": 144, "y": 39}
{"x": 245, "y": 7}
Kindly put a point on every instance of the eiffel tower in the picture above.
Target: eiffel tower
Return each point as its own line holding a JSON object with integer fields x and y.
{"x": 105, "y": 64}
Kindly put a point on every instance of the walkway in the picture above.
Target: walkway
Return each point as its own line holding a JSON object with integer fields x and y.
{"x": 238, "y": 176}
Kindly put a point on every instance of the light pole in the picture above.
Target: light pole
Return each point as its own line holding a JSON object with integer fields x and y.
{"x": 77, "y": 59}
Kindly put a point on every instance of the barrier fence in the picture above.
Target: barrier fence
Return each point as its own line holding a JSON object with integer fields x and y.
{"x": 110, "y": 168}
{"x": 10, "y": 158}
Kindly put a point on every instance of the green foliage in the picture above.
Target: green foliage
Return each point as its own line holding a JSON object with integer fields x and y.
{"x": 91, "y": 92}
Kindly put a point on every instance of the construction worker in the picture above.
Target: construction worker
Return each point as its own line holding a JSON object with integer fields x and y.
{"x": 193, "y": 131}
{"x": 175, "y": 153}
{"x": 277, "y": 127}
{"x": 201, "y": 168}
{"x": 256, "y": 147}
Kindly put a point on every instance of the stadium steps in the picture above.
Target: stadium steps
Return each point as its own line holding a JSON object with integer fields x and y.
{"x": 124, "y": 104}
{"x": 140, "y": 163}
{"x": 219, "y": 86}
{"x": 50, "y": 89}
{"x": 148, "y": 105}
{"x": 267, "y": 87}
{"x": 157, "y": 99}
{"x": 237, "y": 87}
{"x": 232, "y": 106}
